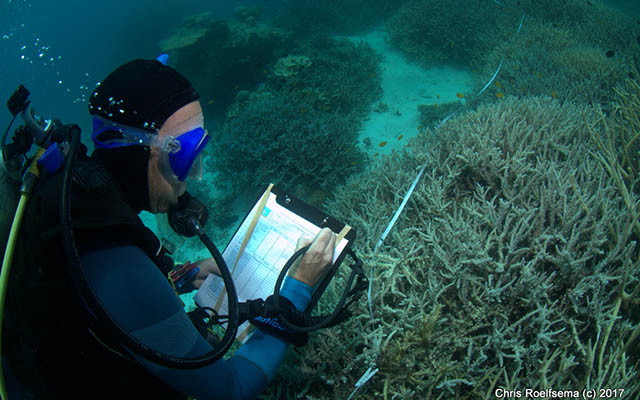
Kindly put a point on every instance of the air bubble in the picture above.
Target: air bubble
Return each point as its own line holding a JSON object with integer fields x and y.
{"x": 110, "y": 115}
{"x": 121, "y": 111}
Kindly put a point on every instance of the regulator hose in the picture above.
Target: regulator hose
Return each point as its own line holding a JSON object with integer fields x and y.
{"x": 88, "y": 295}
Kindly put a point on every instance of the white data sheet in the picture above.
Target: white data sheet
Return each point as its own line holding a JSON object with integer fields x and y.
{"x": 271, "y": 244}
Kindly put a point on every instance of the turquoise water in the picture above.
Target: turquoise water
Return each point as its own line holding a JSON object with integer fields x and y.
{"x": 78, "y": 43}
{"x": 374, "y": 76}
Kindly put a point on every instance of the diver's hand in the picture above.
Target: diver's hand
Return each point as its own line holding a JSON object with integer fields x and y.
{"x": 316, "y": 260}
{"x": 207, "y": 266}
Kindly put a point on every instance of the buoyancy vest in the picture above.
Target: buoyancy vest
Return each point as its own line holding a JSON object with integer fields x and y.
{"x": 51, "y": 343}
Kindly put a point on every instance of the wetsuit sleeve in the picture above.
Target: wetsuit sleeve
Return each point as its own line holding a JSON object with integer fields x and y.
{"x": 139, "y": 297}
{"x": 265, "y": 350}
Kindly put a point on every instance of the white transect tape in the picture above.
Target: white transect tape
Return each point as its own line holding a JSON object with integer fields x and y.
{"x": 386, "y": 231}
{"x": 363, "y": 379}
{"x": 492, "y": 78}
{"x": 521, "y": 22}
{"x": 367, "y": 375}
{"x": 397, "y": 214}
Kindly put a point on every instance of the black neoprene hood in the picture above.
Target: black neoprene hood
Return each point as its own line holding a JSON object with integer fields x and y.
{"x": 142, "y": 94}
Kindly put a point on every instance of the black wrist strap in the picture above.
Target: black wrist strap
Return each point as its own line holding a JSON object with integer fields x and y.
{"x": 263, "y": 315}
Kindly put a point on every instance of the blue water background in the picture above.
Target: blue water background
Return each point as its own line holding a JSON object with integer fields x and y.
{"x": 60, "y": 49}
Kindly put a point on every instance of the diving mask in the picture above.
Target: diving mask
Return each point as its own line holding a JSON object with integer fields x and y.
{"x": 180, "y": 156}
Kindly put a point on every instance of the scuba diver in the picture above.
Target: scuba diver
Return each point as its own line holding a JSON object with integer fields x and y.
{"x": 148, "y": 130}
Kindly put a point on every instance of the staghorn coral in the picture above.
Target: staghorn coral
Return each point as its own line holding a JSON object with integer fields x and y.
{"x": 269, "y": 138}
{"x": 547, "y": 59}
{"x": 339, "y": 76}
{"x": 431, "y": 114}
{"x": 300, "y": 128}
{"x": 595, "y": 22}
{"x": 561, "y": 50}
{"x": 457, "y": 31}
{"x": 509, "y": 268}
{"x": 617, "y": 140}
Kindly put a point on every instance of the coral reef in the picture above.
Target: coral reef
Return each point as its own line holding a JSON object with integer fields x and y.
{"x": 221, "y": 57}
{"x": 571, "y": 50}
{"x": 269, "y": 138}
{"x": 456, "y": 31}
{"x": 344, "y": 76}
{"x": 300, "y": 129}
{"x": 513, "y": 266}
{"x": 558, "y": 65}
{"x": 290, "y": 65}
{"x": 617, "y": 139}
{"x": 431, "y": 114}
{"x": 192, "y": 28}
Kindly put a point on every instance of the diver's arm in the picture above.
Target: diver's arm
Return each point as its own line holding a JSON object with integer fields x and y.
{"x": 264, "y": 349}
{"x": 139, "y": 297}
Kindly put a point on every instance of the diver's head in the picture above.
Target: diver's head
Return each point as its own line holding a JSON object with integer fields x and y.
{"x": 165, "y": 186}
{"x": 148, "y": 132}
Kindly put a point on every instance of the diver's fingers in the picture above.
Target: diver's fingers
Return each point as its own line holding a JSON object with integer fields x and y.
{"x": 302, "y": 242}
{"x": 321, "y": 249}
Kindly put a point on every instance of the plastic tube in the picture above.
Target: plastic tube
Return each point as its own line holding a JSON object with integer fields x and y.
{"x": 4, "y": 275}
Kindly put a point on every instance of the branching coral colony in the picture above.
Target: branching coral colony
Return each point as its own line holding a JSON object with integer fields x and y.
{"x": 513, "y": 266}
{"x": 617, "y": 140}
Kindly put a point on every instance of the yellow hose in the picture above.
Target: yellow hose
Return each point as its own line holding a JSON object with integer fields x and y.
{"x": 4, "y": 275}
{"x": 29, "y": 180}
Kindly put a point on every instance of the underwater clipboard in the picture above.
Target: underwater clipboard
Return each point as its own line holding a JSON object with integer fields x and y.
{"x": 263, "y": 243}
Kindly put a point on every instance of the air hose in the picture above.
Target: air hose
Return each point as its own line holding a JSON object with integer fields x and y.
{"x": 304, "y": 322}
{"x": 90, "y": 299}
{"x": 31, "y": 177}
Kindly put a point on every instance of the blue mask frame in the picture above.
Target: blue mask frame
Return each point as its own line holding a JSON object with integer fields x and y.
{"x": 181, "y": 156}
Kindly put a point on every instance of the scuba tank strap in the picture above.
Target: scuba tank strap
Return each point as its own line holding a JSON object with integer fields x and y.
{"x": 264, "y": 315}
